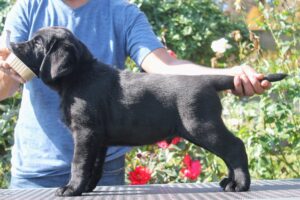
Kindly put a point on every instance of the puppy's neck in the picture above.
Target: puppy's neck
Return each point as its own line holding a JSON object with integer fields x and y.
{"x": 84, "y": 71}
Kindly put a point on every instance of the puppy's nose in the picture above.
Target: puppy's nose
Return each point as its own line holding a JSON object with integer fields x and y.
{"x": 12, "y": 45}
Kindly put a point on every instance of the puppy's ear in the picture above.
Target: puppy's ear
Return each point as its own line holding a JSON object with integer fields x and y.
{"x": 60, "y": 60}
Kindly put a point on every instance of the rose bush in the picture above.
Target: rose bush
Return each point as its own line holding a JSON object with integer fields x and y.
{"x": 192, "y": 168}
{"x": 139, "y": 176}
{"x": 168, "y": 161}
{"x": 165, "y": 144}
{"x": 220, "y": 45}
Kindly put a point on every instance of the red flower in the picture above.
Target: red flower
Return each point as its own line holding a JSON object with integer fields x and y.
{"x": 192, "y": 168}
{"x": 176, "y": 140}
{"x": 172, "y": 53}
{"x": 141, "y": 175}
{"x": 164, "y": 144}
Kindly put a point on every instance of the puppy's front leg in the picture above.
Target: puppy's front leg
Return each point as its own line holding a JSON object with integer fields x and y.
{"x": 97, "y": 169}
{"x": 85, "y": 143}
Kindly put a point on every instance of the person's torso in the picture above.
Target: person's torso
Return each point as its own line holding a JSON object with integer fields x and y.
{"x": 42, "y": 142}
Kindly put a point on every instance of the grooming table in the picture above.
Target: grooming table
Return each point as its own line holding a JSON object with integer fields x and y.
{"x": 260, "y": 189}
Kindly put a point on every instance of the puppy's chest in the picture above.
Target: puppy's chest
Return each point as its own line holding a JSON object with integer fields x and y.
{"x": 75, "y": 110}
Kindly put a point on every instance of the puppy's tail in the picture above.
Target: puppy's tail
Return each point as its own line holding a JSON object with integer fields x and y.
{"x": 222, "y": 82}
{"x": 226, "y": 82}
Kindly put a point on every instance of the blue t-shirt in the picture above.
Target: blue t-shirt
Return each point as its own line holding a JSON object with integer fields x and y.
{"x": 112, "y": 30}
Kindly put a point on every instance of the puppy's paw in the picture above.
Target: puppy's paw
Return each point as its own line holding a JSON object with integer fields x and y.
{"x": 242, "y": 185}
{"x": 230, "y": 185}
{"x": 67, "y": 191}
{"x": 242, "y": 181}
{"x": 224, "y": 182}
{"x": 90, "y": 188}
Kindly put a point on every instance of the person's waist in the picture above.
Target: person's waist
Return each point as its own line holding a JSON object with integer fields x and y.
{"x": 29, "y": 167}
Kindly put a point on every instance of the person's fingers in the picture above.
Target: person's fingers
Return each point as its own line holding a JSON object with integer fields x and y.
{"x": 18, "y": 78}
{"x": 256, "y": 85}
{"x": 253, "y": 81}
{"x": 266, "y": 84}
{"x": 238, "y": 88}
{"x": 4, "y": 64}
{"x": 5, "y": 67}
{"x": 246, "y": 83}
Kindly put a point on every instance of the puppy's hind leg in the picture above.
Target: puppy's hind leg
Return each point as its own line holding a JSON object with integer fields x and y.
{"x": 97, "y": 171}
{"x": 85, "y": 143}
{"x": 214, "y": 136}
{"x": 237, "y": 162}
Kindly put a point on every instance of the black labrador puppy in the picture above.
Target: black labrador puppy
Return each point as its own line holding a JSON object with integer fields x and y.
{"x": 103, "y": 106}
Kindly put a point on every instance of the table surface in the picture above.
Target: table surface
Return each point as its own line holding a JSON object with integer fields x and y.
{"x": 260, "y": 189}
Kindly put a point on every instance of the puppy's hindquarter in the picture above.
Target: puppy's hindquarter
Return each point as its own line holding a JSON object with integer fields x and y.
{"x": 158, "y": 107}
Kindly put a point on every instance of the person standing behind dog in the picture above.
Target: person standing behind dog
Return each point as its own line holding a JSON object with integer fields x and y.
{"x": 112, "y": 30}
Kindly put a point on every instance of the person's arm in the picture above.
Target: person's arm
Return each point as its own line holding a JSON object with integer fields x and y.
{"x": 246, "y": 81}
{"x": 17, "y": 23}
{"x": 8, "y": 86}
{"x": 144, "y": 48}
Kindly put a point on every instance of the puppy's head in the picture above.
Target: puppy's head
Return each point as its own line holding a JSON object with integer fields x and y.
{"x": 52, "y": 54}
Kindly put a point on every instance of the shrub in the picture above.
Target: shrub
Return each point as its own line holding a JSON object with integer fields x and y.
{"x": 269, "y": 124}
{"x": 8, "y": 112}
{"x": 190, "y": 26}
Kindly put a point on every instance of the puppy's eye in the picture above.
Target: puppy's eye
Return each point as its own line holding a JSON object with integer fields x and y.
{"x": 37, "y": 41}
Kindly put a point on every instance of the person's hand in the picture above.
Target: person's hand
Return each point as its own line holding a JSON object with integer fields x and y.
{"x": 248, "y": 82}
{"x": 5, "y": 67}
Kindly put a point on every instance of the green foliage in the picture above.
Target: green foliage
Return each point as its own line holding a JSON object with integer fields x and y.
{"x": 8, "y": 117}
{"x": 5, "y": 6}
{"x": 8, "y": 114}
{"x": 269, "y": 124}
{"x": 166, "y": 163}
{"x": 189, "y": 26}
{"x": 269, "y": 127}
